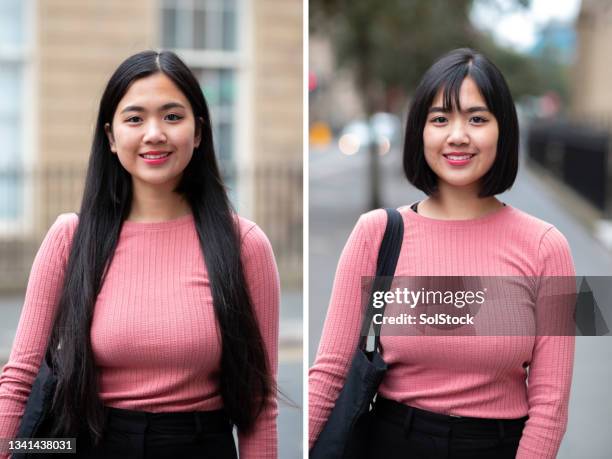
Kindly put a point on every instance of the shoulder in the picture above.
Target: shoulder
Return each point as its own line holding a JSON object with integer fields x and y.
{"x": 553, "y": 249}
{"x": 374, "y": 218}
{"x": 372, "y": 224}
{"x": 248, "y": 229}
{"x": 554, "y": 254}
{"x": 56, "y": 244}
{"x": 367, "y": 234}
{"x": 64, "y": 227}
{"x": 534, "y": 224}
{"x": 539, "y": 229}
{"x": 252, "y": 237}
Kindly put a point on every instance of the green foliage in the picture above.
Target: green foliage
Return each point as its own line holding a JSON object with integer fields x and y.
{"x": 391, "y": 43}
{"x": 526, "y": 75}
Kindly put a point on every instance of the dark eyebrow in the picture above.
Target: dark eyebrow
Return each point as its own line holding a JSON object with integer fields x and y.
{"x": 469, "y": 110}
{"x": 477, "y": 109}
{"x": 138, "y": 108}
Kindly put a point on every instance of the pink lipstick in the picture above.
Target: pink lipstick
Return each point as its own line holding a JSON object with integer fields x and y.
{"x": 458, "y": 159}
{"x": 155, "y": 157}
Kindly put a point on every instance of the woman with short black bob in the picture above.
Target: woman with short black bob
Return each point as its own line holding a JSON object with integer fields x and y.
{"x": 455, "y": 396}
{"x": 156, "y": 305}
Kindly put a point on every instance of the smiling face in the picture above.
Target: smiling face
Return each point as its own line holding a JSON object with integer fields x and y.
{"x": 460, "y": 146}
{"x": 153, "y": 132}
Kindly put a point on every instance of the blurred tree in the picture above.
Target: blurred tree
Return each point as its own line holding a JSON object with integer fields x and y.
{"x": 390, "y": 44}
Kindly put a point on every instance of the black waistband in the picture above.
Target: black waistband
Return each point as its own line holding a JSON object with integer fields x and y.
{"x": 441, "y": 424}
{"x": 178, "y": 422}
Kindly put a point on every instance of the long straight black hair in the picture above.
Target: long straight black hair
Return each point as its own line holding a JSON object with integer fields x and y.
{"x": 246, "y": 380}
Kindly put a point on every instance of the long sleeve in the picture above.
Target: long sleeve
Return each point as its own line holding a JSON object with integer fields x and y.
{"x": 41, "y": 299}
{"x": 264, "y": 288}
{"x": 343, "y": 321}
{"x": 487, "y": 379}
{"x": 550, "y": 370}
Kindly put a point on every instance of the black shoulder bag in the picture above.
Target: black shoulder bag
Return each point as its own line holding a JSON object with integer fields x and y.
{"x": 346, "y": 433}
{"x": 35, "y": 420}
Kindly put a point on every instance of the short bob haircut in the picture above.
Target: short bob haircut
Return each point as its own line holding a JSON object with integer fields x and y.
{"x": 447, "y": 74}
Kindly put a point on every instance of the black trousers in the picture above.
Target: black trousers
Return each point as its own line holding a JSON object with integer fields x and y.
{"x": 400, "y": 431}
{"x": 143, "y": 435}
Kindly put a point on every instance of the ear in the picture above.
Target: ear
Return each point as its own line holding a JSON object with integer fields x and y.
{"x": 199, "y": 122}
{"x": 111, "y": 138}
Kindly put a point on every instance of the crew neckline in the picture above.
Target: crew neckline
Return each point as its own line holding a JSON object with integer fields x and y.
{"x": 410, "y": 213}
{"x": 160, "y": 225}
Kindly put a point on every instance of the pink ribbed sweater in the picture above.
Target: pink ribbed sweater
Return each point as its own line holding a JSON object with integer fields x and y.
{"x": 460, "y": 375}
{"x": 154, "y": 333}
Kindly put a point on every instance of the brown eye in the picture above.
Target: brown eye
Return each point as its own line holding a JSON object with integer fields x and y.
{"x": 173, "y": 117}
{"x": 478, "y": 120}
{"x": 439, "y": 119}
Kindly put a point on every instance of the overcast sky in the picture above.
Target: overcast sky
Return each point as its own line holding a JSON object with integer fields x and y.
{"x": 518, "y": 29}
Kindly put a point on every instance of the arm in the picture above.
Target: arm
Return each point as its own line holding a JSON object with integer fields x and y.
{"x": 342, "y": 324}
{"x": 41, "y": 299}
{"x": 264, "y": 288}
{"x": 550, "y": 370}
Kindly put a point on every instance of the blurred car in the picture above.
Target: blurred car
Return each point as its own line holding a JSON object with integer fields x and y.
{"x": 383, "y": 129}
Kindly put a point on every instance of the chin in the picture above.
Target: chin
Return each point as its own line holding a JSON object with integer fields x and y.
{"x": 460, "y": 182}
{"x": 159, "y": 180}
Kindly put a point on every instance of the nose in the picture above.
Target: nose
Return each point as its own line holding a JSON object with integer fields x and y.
{"x": 458, "y": 134}
{"x": 154, "y": 133}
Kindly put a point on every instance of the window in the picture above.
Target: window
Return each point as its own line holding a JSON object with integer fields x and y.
{"x": 200, "y": 24}
{"x": 13, "y": 51}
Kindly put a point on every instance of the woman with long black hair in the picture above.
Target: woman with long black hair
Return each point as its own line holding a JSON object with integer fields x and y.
{"x": 157, "y": 304}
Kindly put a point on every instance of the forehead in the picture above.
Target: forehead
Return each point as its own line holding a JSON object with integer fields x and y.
{"x": 152, "y": 90}
{"x": 468, "y": 95}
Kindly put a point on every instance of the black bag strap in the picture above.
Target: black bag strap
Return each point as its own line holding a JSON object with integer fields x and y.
{"x": 388, "y": 254}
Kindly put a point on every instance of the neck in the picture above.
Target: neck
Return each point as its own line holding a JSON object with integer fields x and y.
{"x": 157, "y": 203}
{"x": 458, "y": 203}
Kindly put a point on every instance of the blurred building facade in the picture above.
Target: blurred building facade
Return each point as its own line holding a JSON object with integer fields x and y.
{"x": 55, "y": 58}
{"x": 577, "y": 149}
{"x": 333, "y": 96}
{"x": 591, "y": 89}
